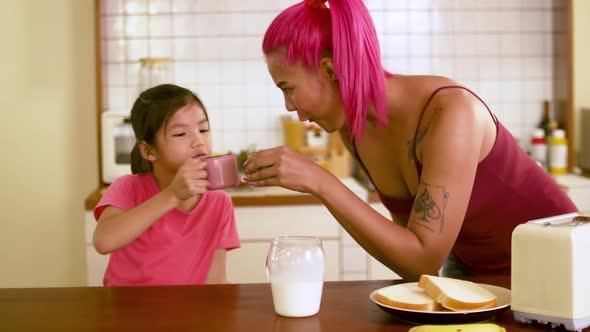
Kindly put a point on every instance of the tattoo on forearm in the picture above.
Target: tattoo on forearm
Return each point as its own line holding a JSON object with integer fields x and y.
{"x": 420, "y": 135}
{"x": 429, "y": 208}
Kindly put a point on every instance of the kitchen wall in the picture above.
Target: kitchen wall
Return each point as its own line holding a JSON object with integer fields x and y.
{"x": 48, "y": 135}
{"x": 502, "y": 49}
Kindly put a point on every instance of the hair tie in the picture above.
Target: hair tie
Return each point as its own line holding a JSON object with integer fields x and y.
{"x": 316, "y": 4}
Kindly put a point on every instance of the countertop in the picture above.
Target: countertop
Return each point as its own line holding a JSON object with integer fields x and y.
{"x": 345, "y": 307}
{"x": 264, "y": 196}
{"x": 572, "y": 181}
{"x": 271, "y": 196}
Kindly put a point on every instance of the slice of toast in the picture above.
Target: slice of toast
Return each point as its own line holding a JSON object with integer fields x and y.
{"x": 407, "y": 296}
{"x": 457, "y": 295}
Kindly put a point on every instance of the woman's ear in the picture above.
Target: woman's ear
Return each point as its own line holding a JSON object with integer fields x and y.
{"x": 327, "y": 70}
{"x": 147, "y": 152}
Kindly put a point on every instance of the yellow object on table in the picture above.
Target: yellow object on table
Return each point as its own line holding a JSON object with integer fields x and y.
{"x": 485, "y": 327}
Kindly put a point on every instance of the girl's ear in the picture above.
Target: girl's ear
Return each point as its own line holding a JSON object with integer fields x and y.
{"x": 327, "y": 70}
{"x": 147, "y": 152}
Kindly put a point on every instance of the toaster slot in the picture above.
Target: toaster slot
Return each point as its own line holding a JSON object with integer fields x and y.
{"x": 570, "y": 219}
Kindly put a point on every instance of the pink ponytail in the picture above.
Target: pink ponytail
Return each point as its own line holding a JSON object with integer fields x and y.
{"x": 346, "y": 31}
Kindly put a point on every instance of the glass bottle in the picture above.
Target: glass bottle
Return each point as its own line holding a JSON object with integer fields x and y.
{"x": 548, "y": 125}
{"x": 558, "y": 156}
{"x": 539, "y": 147}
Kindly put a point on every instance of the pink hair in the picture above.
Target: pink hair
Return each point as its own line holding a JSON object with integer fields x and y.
{"x": 346, "y": 31}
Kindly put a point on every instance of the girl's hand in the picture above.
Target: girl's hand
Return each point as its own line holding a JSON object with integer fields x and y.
{"x": 190, "y": 180}
{"x": 281, "y": 166}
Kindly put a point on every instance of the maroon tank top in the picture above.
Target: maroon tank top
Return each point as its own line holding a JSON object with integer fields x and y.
{"x": 509, "y": 189}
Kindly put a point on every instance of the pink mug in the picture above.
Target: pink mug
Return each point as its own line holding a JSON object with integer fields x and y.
{"x": 222, "y": 171}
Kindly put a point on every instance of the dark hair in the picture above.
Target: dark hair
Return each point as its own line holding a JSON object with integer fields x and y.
{"x": 151, "y": 111}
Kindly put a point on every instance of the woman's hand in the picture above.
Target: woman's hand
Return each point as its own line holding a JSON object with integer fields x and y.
{"x": 281, "y": 166}
{"x": 190, "y": 180}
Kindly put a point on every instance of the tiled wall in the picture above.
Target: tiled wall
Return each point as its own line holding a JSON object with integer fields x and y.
{"x": 511, "y": 52}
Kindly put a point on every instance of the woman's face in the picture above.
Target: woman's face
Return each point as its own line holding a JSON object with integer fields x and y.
{"x": 312, "y": 93}
{"x": 185, "y": 136}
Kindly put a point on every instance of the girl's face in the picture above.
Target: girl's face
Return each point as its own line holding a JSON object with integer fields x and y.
{"x": 312, "y": 93}
{"x": 186, "y": 135}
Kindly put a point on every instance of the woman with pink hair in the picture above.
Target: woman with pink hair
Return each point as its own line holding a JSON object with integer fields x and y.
{"x": 454, "y": 179}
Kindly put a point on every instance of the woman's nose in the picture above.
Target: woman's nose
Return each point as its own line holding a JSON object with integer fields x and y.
{"x": 289, "y": 105}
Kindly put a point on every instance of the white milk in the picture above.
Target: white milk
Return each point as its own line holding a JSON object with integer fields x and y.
{"x": 297, "y": 299}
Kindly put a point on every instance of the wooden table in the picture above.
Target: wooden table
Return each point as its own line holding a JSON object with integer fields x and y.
{"x": 246, "y": 307}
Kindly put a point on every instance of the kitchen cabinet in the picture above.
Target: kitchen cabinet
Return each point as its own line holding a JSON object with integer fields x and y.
{"x": 578, "y": 189}
{"x": 581, "y": 197}
{"x": 96, "y": 263}
{"x": 376, "y": 270}
{"x": 258, "y": 225}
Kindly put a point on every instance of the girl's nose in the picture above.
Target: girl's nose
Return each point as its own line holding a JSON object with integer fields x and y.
{"x": 198, "y": 139}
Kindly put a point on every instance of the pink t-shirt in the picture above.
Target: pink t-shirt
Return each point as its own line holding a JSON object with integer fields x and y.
{"x": 175, "y": 250}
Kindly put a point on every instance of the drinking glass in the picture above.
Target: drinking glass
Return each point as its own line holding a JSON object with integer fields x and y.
{"x": 295, "y": 269}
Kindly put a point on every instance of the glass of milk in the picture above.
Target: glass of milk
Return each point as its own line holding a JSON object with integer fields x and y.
{"x": 295, "y": 269}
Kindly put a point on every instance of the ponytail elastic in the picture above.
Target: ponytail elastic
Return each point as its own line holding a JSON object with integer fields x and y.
{"x": 316, "y": 4}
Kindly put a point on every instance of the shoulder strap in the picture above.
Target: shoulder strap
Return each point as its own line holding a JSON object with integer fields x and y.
{"x": 418, "y": 166}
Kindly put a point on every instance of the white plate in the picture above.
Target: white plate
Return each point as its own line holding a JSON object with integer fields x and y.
{"x": 448, "y": 317}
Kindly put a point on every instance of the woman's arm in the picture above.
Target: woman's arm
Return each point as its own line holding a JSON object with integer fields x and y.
{"x": 450, "y": 154}
{"x": 392, "y": 244}
{"x": 217, "y": 274}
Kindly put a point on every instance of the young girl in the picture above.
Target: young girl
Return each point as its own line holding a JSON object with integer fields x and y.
{"x": 454, "y": 179}
{"x": 160, "y": 224}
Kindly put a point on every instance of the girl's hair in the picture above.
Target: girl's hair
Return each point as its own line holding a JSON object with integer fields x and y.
{"x": 151, "y": 111}
{"x": 309, "y": 30}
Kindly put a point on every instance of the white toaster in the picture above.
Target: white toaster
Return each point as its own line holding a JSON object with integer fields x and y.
{"x": 551, "y": 271}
